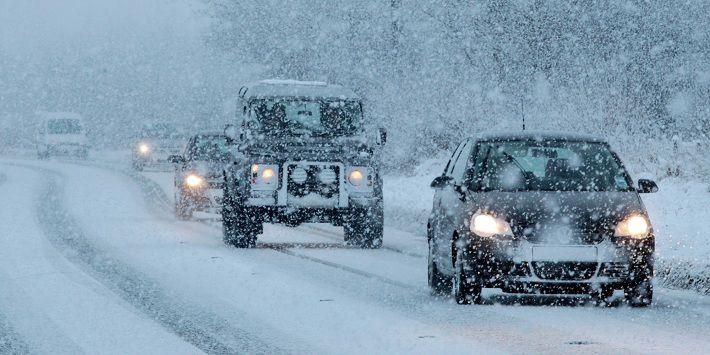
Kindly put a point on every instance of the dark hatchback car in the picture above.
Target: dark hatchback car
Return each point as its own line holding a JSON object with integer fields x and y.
{"x": 540, "y": 213}
{"x": 199, "y": 178}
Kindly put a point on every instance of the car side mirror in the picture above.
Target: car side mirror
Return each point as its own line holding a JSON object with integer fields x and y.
{"x": 383, "y": 136}
{"x": 646, "y": 186}
{"x": 230, "y": 131}
{"x": 176, "y": 159}
{"x": 442, "y": 181}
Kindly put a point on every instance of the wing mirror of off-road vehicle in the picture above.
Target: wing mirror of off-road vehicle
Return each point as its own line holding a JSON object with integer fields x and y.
{"x": 232, "y": 134}
{"x": 383, "y": 136}
{"x": 442, "y": 181}
{"x": 646, "y": 186}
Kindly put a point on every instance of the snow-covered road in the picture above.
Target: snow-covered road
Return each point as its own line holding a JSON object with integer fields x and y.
{"x": 92, "y": 260}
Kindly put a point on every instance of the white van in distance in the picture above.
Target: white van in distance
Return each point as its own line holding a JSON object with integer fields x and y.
{"x": 61, "y": 133}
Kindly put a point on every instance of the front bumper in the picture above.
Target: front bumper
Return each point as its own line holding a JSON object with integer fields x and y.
{"x": 206, "y": 199}
{"x": 521, "y": 266}
{"x": 341, "y": 195}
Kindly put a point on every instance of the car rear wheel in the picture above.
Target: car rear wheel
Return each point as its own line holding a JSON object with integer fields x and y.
{"x": 439, "y": 283}
{"x": 364, "y": 227}
{"x": 467, "y": 283}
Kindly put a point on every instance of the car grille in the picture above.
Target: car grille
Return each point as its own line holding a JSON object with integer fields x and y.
{"x": 323, "y": 180}
{"x": 567, "y": 271}
{"x": 576, "y": 237}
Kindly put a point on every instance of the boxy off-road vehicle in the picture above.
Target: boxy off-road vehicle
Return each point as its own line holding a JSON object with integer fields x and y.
{"x": 300, "y": 153}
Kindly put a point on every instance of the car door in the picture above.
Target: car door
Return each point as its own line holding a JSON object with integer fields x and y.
{"x": 182, "y": 167}
{"x": 451, "y": 204}
{"x": 436, "y": 213}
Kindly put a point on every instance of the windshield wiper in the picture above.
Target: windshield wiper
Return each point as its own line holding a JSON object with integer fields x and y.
{"x": 519, "y": 166}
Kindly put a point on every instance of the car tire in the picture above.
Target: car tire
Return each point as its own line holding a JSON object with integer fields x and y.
{"x": 639, "y": 294}
{"x": 183, "y": 211}
{"x": 364, "y": 227}
{"x": 239, "y": 228}
{"x": 137, "y": 166}
{"x": 439, "y": 284}
{"x": 602, "y": 296}
{"x": 83, "y": 154}
{"x": 467, "y": 286}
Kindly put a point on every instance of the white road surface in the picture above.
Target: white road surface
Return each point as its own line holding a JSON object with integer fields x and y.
{"x": 93, "y": 261}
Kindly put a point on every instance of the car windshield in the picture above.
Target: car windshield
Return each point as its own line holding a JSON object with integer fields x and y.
{"x": 550, "y": 166}
{"x": 318, "y": 117}
{"x": 64, "y": 126}
{"x": 159, "y": 131}
{"x": 209, "y": 148}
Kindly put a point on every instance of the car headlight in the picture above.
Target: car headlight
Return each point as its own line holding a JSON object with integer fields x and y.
{"x": 356, "y": 177}
{"x": 634, "y": 226}
{"x": 143, "y": 148}
{"x": 359, "y": 177}
{"x": 264, "y": 176}
{"x": 194, "y": 181}
{"x": 486, "y": 225}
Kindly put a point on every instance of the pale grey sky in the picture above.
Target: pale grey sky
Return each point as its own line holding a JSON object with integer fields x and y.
{"x": 34, "y": 24}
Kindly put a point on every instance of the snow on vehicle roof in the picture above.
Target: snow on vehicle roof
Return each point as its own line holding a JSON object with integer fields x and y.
{"x": 209, "y": 134}
{"x": 294, "y": 88}
{"x": 539, "y": 136}
{"x": 292, "y": 82}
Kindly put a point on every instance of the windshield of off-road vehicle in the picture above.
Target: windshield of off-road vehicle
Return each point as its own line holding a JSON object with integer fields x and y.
{"x": 64, "y": 126}
{"x": 550, "y": 166}
{"x": 209, "y": 148}
{"x": 327, "y": 117}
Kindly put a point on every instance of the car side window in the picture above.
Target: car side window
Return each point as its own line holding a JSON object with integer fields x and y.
{"x": 452, "y": 160}
{"x": 189, "y": 149}
{"x": 461, "y": 163}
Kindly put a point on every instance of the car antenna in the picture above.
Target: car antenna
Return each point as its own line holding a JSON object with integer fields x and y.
{"x": 522, "y": 111}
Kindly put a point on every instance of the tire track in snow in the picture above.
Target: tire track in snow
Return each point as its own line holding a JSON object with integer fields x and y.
{"x": 208, "y": 332}
{"x": 10, "y": 342}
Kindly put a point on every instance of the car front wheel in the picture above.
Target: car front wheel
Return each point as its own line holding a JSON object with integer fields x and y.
{"x": 467, "y": 283}
{"x": 639, "y": 294}
{"x": 183, "y": 210}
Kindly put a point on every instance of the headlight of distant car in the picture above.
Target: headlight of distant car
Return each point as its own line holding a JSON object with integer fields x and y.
{"x": 634, "y": 226}
{"x": 264, "y": 176}
{"x": 143, "y": 148}
{"x": 194, "y": 181}
{"x": 486, "y": 225}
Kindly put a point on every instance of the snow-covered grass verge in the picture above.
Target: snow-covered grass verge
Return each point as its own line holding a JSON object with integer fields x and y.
{"x": 679, "y": 213}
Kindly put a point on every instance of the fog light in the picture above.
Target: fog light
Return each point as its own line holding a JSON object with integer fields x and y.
{"x": 299, "y": 175}
{"x": 327, "y": 176}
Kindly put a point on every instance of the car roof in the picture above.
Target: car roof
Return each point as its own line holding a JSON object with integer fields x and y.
{"x": 48, "y": 116}
{"x": 293, "y": 88}
{"x": 538, "y": 136}
{"x": 209, "y": 134}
